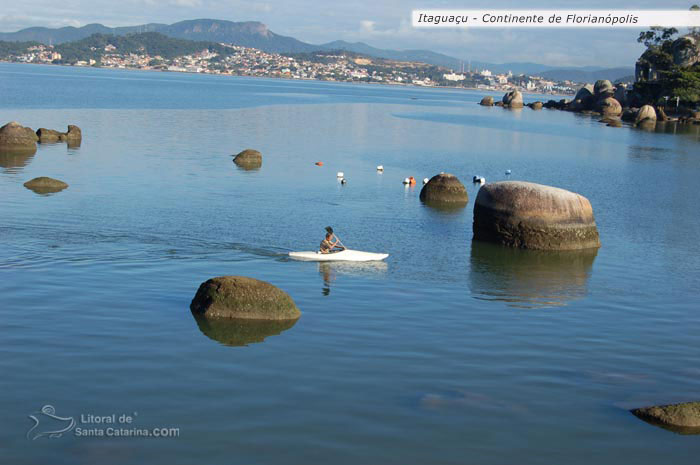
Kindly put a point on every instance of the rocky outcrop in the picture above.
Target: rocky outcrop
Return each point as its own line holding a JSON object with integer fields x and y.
{"x": 236, "y": 332}
{"x": 487, "y": 101}
{"x": 15, "y": 138}
{"x": 646, "y": 114}
{"x": 535, "y": 105}
{"x": 686, "y": 51}
{"x": 585, "y": 93}
{"x": 533, "y": 216}
{"x": 513, "y": 99}
{"x": 621, "y": 94}
{"x": 244, "y": 298}
{"x": 609, "y": 107}
{"x": 74, "y": 133}
{"x": 248, "y": 159}
{"x": 45, "y": 185}
{"x": 682, "y": 418}
{"x": 444, "y": 188}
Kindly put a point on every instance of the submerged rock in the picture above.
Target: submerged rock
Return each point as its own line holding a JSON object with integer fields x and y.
{"x": 534, "y": 216}
{"x": 248, "y": 159}
{"x": 682, "y": 418}
{"x": 487, "y": 101}
{"x": 45, "y": 185}
{"x": 444, "y": 188}
{"x": 513, "y": 99}
{"x": 238, "y": 332}
{"x": 15, "y": 138}
{"x": 245, "y": 298}
{"x": 535, "y": 105}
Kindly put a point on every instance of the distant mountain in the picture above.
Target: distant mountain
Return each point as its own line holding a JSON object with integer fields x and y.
{"x": 257, "y": 35}
{"x": 246, "y": 34}
{"x": 579, "y": 75}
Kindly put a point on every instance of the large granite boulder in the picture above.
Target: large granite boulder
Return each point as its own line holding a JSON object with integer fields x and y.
{"x": 682, "y": 418}
{"x": 244, "y": 298}
{"x": 248, "y": 159}
{"x": 45, "y": 185}
{"x": 15, "y": 138}
{"x": 487, "y": 101}
{"x": 74, "y": 133}
{"x": 585, "y": 93}
{"x": 603, "y": 88}
{"x": 609, "y": 107}
{"x": 646, "y": 114}
{"x": 533, "y": 216}
{"x": 444, "y": 188}
{"x": 513, "y": 99}
{"x": 686, "y": 51}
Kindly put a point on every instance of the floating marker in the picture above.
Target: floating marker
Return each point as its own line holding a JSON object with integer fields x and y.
{"x": 507, "y": 172}
{"x": 406, "y": 181}
{"x": 343, "y": 181}
{"x": 380, "y": 168}
{"x": 319, "y": 163}
{"x": 340, "y": 174}
{"x": 425, "y": 180}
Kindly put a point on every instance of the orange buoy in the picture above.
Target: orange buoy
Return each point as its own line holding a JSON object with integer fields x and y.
{"x": 319, "y": 163}
{"x": 411, "y": 180}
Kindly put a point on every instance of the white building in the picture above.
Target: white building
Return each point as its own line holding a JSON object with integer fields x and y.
{"x": 454, "y": 77}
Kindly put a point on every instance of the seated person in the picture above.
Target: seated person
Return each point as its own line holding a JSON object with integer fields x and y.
{"x": 328, "y": 245}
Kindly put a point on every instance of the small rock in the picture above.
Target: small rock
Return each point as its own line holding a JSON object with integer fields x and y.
{"x": 45, "y": 185}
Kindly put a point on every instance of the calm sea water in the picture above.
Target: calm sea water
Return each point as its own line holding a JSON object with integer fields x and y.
{"x": 448, "y": 353}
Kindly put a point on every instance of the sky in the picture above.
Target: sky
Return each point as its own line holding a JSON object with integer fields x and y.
{"x": 382, "y": 24}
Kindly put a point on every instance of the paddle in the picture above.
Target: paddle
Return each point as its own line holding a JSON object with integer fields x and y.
{"x": 329, "y": 230}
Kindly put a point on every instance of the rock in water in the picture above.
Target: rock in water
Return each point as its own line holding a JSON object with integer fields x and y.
{"x": 49, "y": 135}
{"x": 245, "y": 298}
{"x": 682, "y": 418}
{"x": 609, "y": 107}
{"x": 535, "y": 105}
{"x": 513, "y": 99}
{"x": 444, "y": 188}
{"x": 487, "y": 101}
{"x": 15, "y": 138}
{"x": 645, "y": 114}
{"x": 534, "y": 216}
{"x": 44, "y": 185}
{"x": 74, "y": 133}
{"x": 248, "y": 159}
{"x": 585, "y": 93}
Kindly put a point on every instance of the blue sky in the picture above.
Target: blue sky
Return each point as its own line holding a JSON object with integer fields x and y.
{"x": 384, "y": 24}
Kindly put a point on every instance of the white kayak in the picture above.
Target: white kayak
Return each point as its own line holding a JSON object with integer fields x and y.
{"x": 346, "y": 255}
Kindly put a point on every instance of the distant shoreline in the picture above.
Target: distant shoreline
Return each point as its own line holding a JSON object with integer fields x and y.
{"x": 393, "y": 84}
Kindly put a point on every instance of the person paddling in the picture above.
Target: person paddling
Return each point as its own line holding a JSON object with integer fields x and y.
{"x": 328, "y": 245}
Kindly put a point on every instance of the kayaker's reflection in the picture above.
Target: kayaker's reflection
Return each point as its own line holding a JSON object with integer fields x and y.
{"x": 326, "y": 270}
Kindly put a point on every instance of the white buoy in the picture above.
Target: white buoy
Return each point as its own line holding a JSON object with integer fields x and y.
{"x": 380, "y": 168}
{"x": 507, "y": 172}
{"x": 406, "y": 181}
{"x": 481, "y": 180}
{"x": 340, "y": 174}
{"x": 425, "y": 180}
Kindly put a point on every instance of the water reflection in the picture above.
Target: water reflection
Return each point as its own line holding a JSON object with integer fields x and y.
{"x": 12, "y": 160}
{"x": 247, "y": 165}
{"x": 330, "y": 270}
{"x": 239, "y": 332}
{"x": 527, "y": 278}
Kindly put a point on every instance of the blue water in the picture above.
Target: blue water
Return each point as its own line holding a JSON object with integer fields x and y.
{"x": 448, "y": 353}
